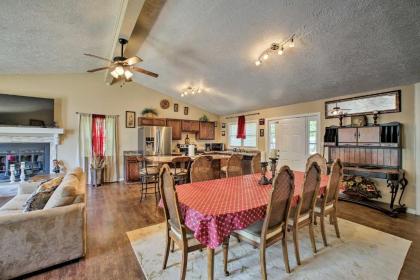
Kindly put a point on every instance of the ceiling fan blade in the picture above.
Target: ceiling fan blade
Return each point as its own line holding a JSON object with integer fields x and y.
{"x": 98, "y": 69}
{"x": 98, "y": 57}
{"x": 133, "y": 60}
{"x": 141, "y": 70}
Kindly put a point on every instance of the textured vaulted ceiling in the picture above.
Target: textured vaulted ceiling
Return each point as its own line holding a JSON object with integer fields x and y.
{"x": 342, "y": 47}
{"x": 50, "y": 36}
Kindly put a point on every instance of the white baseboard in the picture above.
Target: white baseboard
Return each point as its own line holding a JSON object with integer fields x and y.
{"x": 412, "y": 211}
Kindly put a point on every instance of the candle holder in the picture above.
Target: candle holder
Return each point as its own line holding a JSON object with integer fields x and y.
{"x": 273, "y": 168}
{"x": 264, "y": 180}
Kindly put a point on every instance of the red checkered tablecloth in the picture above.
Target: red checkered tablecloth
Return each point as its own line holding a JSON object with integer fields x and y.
{"x": 213, "y": 209}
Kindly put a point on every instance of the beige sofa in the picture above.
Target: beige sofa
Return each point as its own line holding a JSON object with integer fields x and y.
{"x": 39, "y": 239}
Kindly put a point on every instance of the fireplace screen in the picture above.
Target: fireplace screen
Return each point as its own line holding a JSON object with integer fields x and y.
{"x": 35, "y": 155}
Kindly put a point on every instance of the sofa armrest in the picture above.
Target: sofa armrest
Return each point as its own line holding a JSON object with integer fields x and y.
{"x": 27, "y": 187}
{"x": 39, "y": 239}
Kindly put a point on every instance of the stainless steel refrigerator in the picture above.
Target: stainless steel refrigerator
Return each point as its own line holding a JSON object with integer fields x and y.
{"x": 155, "y": 140}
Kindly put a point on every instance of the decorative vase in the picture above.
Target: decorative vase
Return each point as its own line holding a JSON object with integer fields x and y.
{"x": 96, "y": 176}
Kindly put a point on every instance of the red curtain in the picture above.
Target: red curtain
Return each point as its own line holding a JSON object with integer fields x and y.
{"x": 98, "y": 135}
{"x": 241, "y": 128}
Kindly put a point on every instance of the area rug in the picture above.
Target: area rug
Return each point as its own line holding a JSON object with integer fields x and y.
{"x": 361, "y": 253}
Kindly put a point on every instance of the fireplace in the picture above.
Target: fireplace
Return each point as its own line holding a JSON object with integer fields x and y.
{"x": 36, "y": 157}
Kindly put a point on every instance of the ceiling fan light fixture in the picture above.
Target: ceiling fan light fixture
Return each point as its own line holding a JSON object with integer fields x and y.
{"x": 265, "y": 56}
{"x": 258, "y": 62}
{"x": 119, "y": 70}
{"x": 128, "y": 74}
{"x": 114, "y": 74}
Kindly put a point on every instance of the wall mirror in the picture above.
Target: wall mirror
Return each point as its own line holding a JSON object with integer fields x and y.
{"x": 381, "y": 103}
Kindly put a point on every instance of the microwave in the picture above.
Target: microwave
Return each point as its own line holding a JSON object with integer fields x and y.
{"x": 214, "y": 147}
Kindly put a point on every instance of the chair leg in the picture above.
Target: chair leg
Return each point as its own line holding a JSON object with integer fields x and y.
{"x": 331, "y": 219}
{"x": 315, "y": 223}
{"x": 184, "y": 262}
{"x": 285, "y": 254}
{"x": 168, "y": 243}
{"x": 172, "y": 246}
{"x": 225, "y": 255}
{"x": 337, "y": 231}
{"x": 324, "y": 236}
{"x": 262, "y": 262}
{"x": 141, "y": 191}
{"x": 296, "y": 243}
{"x": 312, "y": 237}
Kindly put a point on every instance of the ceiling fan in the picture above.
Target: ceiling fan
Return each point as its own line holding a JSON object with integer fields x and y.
{"x": 337, "y": 111}
{"x": 121, "y": 67}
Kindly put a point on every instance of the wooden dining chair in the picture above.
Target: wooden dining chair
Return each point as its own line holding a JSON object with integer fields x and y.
{"x": 327, "y": 205}
{"x": 303, "y": 214}
{"x": 256, "y": 163}
{"x": 149, "y": 179}
{"x": 265, "y": 233}
{"x": 180, "y": 169}
{"x": 176, "y": 231}
{"x": 322, "y": 163}
{"x": 233, "y": 167}
{"x": 201, "y": 169}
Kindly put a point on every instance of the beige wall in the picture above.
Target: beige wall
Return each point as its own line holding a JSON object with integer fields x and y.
{"x": 88, "y": 93}
{"x": 406, "y": 117}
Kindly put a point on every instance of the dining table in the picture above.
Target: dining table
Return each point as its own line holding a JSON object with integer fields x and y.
{"x": 213, "y": 209}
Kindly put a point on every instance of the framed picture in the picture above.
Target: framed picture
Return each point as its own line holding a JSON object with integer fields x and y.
{"x": 185, "y": 110}
{"x": 223, "y": 125}
{"x": 130, "y": 119}
{"x": 175, "y": 107}
{"x": 262, "y": 121}
{"x": 261, "y": 132}
{"x": 223, "y": 133}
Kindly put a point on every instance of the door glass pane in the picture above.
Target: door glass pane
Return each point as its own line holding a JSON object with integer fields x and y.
{"x": 312, "y": 125}
{"x": 312, "y": 137}
{"x": 312, "y": 149}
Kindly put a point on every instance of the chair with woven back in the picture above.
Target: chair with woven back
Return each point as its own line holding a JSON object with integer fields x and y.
{"x": 256, "y": 163}
{"x": 265, "y": 233}
{"x": 327, "y": 205}
{"x": 176, "y": 230}
{"x": 233, "y": 167}
{"x": 180, "y": 169}
{"x": 322, "y": 163}
{"x": 302, "y": 215}
{"x": 201, "y": 169}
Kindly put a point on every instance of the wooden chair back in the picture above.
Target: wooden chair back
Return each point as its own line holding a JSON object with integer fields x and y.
{"x": 322, "y": 163}
{"x": 280, "y": 199}
{"x": 256, "y": 163}
{"x": 201, "y": 169}
{"x": 336, "y": 175}
{"x": 170, "y": 198}
{"x": 234, "y": 166}
{"x": 181, "y": 164}
{"x": 310, "y": 189}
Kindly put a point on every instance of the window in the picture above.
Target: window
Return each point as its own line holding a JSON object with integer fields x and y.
{"x": 312, "y": 125}
{"x": 272, "y": 134}
{"x": 251, "y": 135}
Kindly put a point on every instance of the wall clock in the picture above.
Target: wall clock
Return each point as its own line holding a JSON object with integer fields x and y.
{"x": 164, "y": 104}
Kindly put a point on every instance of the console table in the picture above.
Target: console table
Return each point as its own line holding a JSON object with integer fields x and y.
{"x": 374, "y": 152}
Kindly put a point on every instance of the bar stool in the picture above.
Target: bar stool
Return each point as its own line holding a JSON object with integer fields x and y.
{"x": 180, "y": 169}
{"x": 149, "y": 179}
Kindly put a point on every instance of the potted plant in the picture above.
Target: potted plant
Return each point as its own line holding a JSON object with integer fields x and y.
{"x": 149, "y": 113}
{"x": 203, "y": 118}
{"x": 96, "y": 170}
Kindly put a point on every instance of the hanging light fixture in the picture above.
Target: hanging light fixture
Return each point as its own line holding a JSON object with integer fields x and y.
{"x": 190, "y": 90}
{"x": 278, "y": 48}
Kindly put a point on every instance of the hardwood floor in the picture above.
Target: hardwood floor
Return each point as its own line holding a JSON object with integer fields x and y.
{"x": 115, "y": 209}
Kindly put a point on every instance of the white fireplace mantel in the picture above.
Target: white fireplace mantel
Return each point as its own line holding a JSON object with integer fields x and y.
{"x": 17, "y": 134}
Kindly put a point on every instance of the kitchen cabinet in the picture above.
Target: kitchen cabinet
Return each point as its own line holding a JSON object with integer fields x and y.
{"x": 347, "y": 136}
{"x": 369, "y": 135}
{"x": 190, "y": 126}
{"x": 176, "y": 128}
{"x": 365, "y": 136}
{"x": 151, "y": 121}
{"x": 206, "y": 131}
{"x": 131, "y": 169}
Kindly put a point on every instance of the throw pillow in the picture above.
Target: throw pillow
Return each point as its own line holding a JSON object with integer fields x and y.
{"x": 65, "y": 193}
{"x": 38, "y": 199}
{"x": 51, "y": 183}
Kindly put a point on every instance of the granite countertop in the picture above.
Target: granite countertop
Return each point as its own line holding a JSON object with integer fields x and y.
{"x": 229, "y": 152}
{"x": 132, "y": 153}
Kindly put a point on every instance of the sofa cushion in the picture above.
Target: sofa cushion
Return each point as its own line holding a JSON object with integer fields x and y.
{"x": 39, "y": 199}
{"x": 9, "y": 212}
{"x": 52, "y": 183}
{"x": 16, "y": 203}
{"x": 65, "y": 193}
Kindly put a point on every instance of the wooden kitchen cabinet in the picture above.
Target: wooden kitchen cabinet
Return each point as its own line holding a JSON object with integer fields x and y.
{"x": 151, "y": 121}
{"x": 207, "y": 131}
{"x": 176, "y": 128}
{"x": 347, "y": 136}
{"x": 131, "y": 169}
{"x": 190, "y": 126}
{"x": 369, "y": 135}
